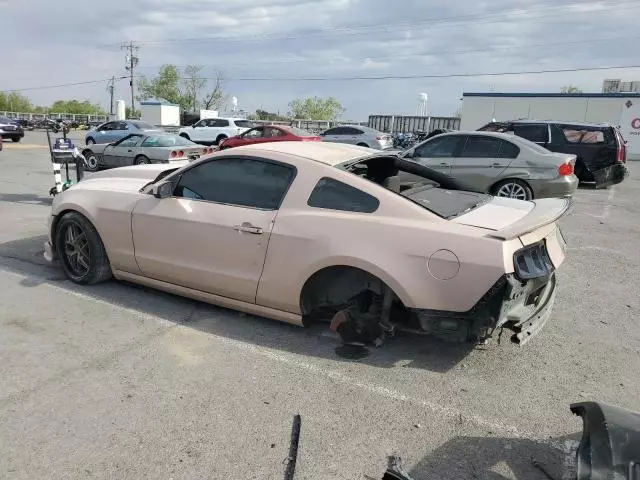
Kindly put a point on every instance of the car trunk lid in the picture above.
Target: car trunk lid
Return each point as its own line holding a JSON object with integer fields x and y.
{"x": 508, "y": 218}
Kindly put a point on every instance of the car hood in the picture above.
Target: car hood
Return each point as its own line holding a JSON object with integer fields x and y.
{"x": 510, "y": 218}
{"x": 126, "y": 178}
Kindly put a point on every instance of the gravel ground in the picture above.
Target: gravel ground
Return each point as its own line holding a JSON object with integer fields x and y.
{"x": 118, "y": 381}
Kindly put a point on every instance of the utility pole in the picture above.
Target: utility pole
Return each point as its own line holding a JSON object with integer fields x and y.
{"x": 132, "y": 62}
{"x": 111, "y": 89}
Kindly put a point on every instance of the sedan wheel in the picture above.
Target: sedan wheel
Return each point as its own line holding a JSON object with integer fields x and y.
{"x": 514, "y": 189}
{"x": 141, "y": 160}
{"x": 91, "y": 161}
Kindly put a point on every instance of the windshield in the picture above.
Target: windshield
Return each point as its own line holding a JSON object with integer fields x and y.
{"x": 142, "y": 125}
{"x": 243, "y": 123}
{"x": 445, "y": 203}
{"x": 167, "y": 141}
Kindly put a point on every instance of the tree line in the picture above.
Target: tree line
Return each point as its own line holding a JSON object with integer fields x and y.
{"x": 187, "y": 88}
{"x": 17, "y": 102}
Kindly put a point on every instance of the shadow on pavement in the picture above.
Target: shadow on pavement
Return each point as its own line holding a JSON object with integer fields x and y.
{"x": 495, "y": 458}
{"x": 25, "y": 198}
{"x": 24, "y": 256}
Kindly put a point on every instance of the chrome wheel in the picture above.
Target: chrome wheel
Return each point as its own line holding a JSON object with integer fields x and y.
{"x": 512, "y": 190}
{"x": 76, "y": 250}
{"x": 91, "y": 161}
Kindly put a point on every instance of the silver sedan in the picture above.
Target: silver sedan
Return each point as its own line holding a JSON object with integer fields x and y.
{"x": 358, "y": 135}
{"x": 141, "y": 148}
{"x": 500, "y": 164}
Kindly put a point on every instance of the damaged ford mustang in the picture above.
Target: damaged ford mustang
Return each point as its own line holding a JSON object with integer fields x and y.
{"x": 304, "y": 232}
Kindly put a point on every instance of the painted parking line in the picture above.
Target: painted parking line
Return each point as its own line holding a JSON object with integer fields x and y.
{"x": 21, "y": 146}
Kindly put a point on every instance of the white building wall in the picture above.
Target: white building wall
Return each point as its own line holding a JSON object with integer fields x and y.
{"x": 169, "y": 116}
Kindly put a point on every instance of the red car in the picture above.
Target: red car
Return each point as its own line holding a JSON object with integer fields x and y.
{"x": 269, "y": 133}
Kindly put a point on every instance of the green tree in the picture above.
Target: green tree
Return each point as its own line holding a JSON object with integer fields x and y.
{"x": 15, "y": 102}
{"x": 316, "y": 108}
{"x": 76, "y": 107}
{"x": 183, "y": 88}
{"x": 570, "y": 89}
{"x": 166, "y": 86}
{"x": 136, "y": 113}
{"x": 268, "y": 116}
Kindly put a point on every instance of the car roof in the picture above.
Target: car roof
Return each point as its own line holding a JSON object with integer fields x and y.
{"x": 560, "y": 122}
{"x": 323, "y": 152}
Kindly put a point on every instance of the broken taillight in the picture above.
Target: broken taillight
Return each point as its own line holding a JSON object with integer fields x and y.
{"x": 565, "y": 169}
{"x": 622, "y": 149}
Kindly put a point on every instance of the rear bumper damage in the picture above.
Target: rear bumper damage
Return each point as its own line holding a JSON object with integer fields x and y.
{"x": 611, "y": 175}
{"x": 520, "y": 307}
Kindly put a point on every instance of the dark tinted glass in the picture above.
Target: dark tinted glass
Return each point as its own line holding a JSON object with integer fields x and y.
{"x": 221, "y": 123}
{"x": 243, "y": 123}
{"x": 483, "y": 147}
{"x": 508, "y": 150}
{"x": 335, "y": 195}
{"x": 534, "y": 133}
{"x": 244, "y": 182}
{"x": 438, "y": 147}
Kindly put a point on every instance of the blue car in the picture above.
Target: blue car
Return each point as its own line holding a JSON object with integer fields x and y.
{"x": 117, "y": 129}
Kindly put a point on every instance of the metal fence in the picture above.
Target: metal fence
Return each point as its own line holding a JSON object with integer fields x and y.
{"x": 72, "y": 117}
{"x": 411, "y": 124}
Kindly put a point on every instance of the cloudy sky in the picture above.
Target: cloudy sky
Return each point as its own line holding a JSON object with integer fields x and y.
{"x": 272, "y": 51}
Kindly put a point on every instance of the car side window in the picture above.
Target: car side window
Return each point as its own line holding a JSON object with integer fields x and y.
{"x": 219, "y": 122}
{"x": 237, "y": 181}
{"x": 508, "y": 150}
{"x": 130, "y": 141}
{"x": 481, "y": 147}
{"x": 533, "y": 133}
{"x": 336, "y": 131}
{"x": 584, "y": 135}
{"x": 334, "y": 195}
{"x": 352, "y": 131}
{"x": 106, "y": 127}
{"x": 253, "y": 133}
{"x": 438, "y": 147}
{"x": 273, "y": 132}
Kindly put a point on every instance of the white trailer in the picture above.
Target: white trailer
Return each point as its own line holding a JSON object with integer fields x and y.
{"x": 618, "y": 109}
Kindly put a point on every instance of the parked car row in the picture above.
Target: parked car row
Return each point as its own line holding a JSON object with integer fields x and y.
{"x": 10, "y": 129}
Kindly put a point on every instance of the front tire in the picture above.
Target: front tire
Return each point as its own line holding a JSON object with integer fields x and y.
{"x": 90, "y": 161}
{"x": 220, "y": 138}
{"x": 82, "y": 254}
{"x": 361, "y": 144}
{"x": 141, "y": 160}
{"x": 513, "y": 188}
{"x": 16, "y": 139}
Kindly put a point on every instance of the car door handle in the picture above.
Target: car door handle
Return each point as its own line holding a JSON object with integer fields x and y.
{"x": 248, "y": 228}
{"x": 444, "y": 164}
{"x": 497, "y": 165}
{"x": 129, "y": 151}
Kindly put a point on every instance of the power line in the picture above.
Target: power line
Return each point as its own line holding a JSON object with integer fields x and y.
{"x": 411, "y": 77}
{"x": 348, "y": 30}
{"x": 486, "y": 49}
{"x": 45, "y": 87}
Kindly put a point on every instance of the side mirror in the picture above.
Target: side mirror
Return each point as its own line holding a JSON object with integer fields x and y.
{"x": 162, "y": 189}
{"x": 193, "y": 126}
{"x": 408, "y": 154}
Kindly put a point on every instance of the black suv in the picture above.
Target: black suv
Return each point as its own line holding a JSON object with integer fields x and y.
{"x": 600, "y": 149}
{"x": 9, "y": 129}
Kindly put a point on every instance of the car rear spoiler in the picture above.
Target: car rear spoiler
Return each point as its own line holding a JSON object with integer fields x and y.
{"x": 545, "y": 211}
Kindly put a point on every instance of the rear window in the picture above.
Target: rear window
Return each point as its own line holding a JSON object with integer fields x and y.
{"x": 167, "y": 141}
{"x": 299, "y": 132}
{"x": 243, "y": 123}
{"x": 577, "y": 135}
{"x": 142, "y": 125}
{"x": 334, "y": 195}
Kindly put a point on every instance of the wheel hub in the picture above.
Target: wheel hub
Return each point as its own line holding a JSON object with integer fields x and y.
{"x": 76, "y": 250}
